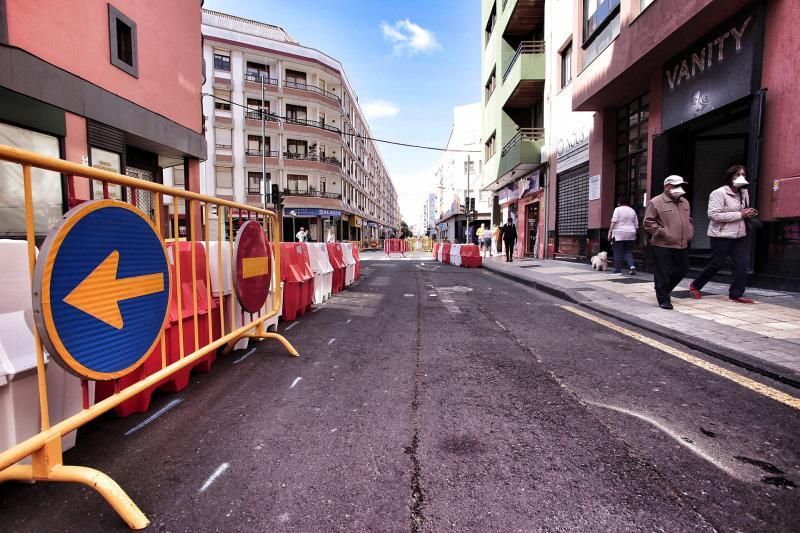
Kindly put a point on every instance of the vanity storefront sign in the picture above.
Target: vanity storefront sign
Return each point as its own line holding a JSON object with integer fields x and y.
{"x": 722, "y": 67}
{"x": 572, "y": 150}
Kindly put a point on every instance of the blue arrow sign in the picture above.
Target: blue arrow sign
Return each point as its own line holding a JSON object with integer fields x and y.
{"x": 105, "y": 288}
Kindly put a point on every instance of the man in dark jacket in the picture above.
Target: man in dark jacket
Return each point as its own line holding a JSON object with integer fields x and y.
{"x": 669, "y": 223}
{"x": 508, "y": 232}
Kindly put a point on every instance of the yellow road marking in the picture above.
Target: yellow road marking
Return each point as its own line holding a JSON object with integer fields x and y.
{"x": 748, "y": 383}
{"x": 255, "y": 266}
{"x": 99, "y": 292}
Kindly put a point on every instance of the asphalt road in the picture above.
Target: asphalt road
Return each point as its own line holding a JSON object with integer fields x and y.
{"x": 436, "y": 398}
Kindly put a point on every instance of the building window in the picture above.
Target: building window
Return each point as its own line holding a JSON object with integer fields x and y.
{"x": 491, "y": 84}
{"x": 631, "y": 152}
{"x": 224, "y": 177}
{"x": 490, "y": 147}
{"x": 323, "y": 185}
{"x": 295, "y": 78}
{"x": 254, "y": 145}
{"x": 255, "y": 71}
{"x": 254, "y": 182}
{"x": 222, "y": 139}
{"x": 297, "y": 183}
{"x": 597, "y": 13}
{"x": 296, "y": 113}
{"x": 222, "y": 100}
{"x": 490, "y": 23}
{"x": 566, "y": 65}
{"x": 122, "y": 41}
{"x": 644, "y": 3}
{"x": 222, "y": 62}
{"x": 296, "y": 149}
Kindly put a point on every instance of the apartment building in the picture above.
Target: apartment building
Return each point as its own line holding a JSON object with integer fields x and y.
{"x": 513, "y": 70}
{"x": 115, "y": 85}
{"x": 692, "y": 88}
{"x": 283, "y": 117}
{"x": 463, "y": 205}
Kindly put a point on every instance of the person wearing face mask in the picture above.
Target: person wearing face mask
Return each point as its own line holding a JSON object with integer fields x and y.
{"x": 668, "y": 222}
{"x": 728, "y": 209}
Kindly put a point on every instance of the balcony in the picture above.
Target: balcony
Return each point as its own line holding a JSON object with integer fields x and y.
{"x": 312, "y": 193}
{"x": 523, "y": 79}
{"x": 256, "y": 114}
{"x": 261, "y": 77}
{"x": 312, "y": 88}
{"x": 259, "y": 153}
{"x": 312, "y": 123}
{"x": 523, "y": 152}
{"x": 522, "y": 17}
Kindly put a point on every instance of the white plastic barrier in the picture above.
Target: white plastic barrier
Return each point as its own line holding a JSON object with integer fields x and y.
{"x": 350, "y": 263}
{"x": 439, "y": 253}
{"x": 270, "y": 325}
{"x": 323, "y": 271}
{"x": 19, "y": 396}
{"x": 455, "y": 255}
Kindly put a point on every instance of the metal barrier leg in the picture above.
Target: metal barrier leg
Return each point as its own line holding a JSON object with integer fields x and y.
{"x": 261, "y": 333}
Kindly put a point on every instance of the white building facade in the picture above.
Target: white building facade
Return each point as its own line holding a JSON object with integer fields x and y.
{"x": 282, "y": 117}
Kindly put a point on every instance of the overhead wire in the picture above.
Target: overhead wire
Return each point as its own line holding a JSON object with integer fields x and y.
{"x": 356, "y": 135}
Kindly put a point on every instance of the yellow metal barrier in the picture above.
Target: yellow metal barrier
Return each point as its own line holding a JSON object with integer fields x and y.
{"x": 45, "y": 447}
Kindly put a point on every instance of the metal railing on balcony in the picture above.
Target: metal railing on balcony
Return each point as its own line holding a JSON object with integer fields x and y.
{"x": 257, "y": 114}
{"x": 525, "y": 47}
{"x": 312, "y": 193}
{"x": 222, "y": 146}
{"x": 312, "y": 123}
{"x": 258, "y": 153}
{"x": 313, "y": 88}
{"x": 259, "y": 77}
{"x": 523, "y": 135}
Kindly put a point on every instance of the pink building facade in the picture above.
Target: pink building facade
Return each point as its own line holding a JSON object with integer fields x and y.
{"x": 115, "y": 85}
{"x": 688, "y": 88}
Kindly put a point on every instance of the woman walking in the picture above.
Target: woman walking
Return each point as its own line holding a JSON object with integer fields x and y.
{"x": 622, "y": 234}
{"x": 728, "y": 209}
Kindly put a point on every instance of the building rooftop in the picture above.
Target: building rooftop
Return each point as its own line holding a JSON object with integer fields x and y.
{"x": 243, "y": 25}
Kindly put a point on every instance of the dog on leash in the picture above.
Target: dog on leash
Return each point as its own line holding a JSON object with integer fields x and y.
{"x": 600, "y": 261}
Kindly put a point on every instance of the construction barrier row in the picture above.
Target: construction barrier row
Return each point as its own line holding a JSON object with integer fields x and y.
{"x": 394, "y": 246}
{"x": 464, "y": 255}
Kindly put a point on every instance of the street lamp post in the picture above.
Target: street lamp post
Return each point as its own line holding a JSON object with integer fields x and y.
{"x": 467, "y": 164}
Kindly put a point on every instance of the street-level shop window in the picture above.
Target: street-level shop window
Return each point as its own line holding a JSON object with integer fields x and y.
{"x": 222, "y": 62}
{"x": 631, "y": 151}
{"x": 122, "y": 42}
{"x": 566, "y": 65}
{"x": 491, "y": 146}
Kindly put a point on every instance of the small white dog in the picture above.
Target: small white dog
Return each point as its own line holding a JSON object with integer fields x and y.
{"x": 600, "y": 261}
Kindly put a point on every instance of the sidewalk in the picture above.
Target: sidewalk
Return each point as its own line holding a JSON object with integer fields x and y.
{"x": 764, "y": 337}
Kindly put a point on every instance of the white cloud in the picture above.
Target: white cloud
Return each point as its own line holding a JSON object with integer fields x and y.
{"x": 379, "y": 109}
{"x": 409, "y": 37}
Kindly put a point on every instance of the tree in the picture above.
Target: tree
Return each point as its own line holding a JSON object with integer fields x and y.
{"x": 404, "y": 231}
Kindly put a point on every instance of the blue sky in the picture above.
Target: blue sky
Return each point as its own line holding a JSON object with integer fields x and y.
{"x": 411, "y": 61}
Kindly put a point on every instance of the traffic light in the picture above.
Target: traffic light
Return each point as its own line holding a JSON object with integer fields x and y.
{"x": 277, "y": 201}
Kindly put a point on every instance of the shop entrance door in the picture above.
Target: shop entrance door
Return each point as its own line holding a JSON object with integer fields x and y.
{"x": 532, "y": 215}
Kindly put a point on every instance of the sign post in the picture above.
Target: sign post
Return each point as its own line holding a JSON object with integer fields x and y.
{"x": 253, "y": 266}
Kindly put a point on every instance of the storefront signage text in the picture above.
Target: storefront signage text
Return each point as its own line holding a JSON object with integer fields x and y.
{"x": 572, "y": 150}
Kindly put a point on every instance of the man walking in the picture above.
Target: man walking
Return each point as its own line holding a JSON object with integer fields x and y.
{"x": 668, "y": 221}
{"x": 509, "y": 235}
{"x": 302, "y": 235}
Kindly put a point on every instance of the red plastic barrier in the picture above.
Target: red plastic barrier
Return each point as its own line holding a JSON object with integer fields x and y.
{"x": 358, "y": 260}
{"x": 435, "y": 251}
{"x": 205, "y": 310}
{"x": 446, "y": 253}
{"x": 396, "y": 246}
{"x": 336, "y": 256}
{"x": 298, "y": 288}
{"x": 470, "y": 256}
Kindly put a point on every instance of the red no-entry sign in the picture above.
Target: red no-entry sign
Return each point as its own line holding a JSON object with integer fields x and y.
{"x": 253, "y": 266}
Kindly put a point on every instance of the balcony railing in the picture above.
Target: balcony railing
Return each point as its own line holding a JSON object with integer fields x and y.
{"x": 312, "y": 193}
{"x": 258, "y": 78}
{"x": 259, "y": 153}
{"x": 312, "y": 123}
{"x": 525, "y": 47}
{"x": 222, "y": 146}
{"x": 523, "y": 135}
{"x": 313, "y": 88}
{"x": 257, "y": 114}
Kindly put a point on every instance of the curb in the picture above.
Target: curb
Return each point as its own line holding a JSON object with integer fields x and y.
{"x": 740, "y": 359}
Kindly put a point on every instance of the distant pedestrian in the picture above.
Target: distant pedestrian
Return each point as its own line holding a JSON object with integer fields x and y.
{"x": 622, "y": 234}
{"x": 302, "y": 235}
{"x": 487, "y": 242}
{"x": 496, "y": 238}
{"x": 728, "y": 209}
{"x": 509, "y": 235}
{"x": 482, "y": 236}
{"x": 668, "y": 221}
{"x": 331, "y": 235}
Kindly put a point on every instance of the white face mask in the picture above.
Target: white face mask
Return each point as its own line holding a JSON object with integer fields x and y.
{"x": 677, "y": 192}
{"x": 739, "y": 181}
